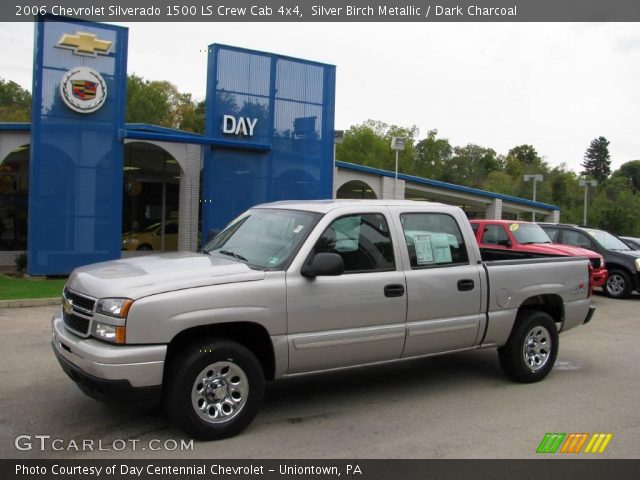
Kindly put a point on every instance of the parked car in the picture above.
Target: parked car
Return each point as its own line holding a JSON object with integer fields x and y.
{"x": 508, "y": 239}
{"x": 151, "y": 238}
{"x": 292, "y": 288}
{"x": 632, "y": 242}
{"x": 623, "y": 263}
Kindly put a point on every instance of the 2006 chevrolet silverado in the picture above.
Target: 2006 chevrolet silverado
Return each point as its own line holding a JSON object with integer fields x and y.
{"x": 290, "y": 288}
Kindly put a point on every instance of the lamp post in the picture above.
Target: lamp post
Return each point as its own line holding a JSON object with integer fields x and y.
{"x": 535, "y": 178}
{"x": 397, "y": 144}
{"x": 586, "y": 183}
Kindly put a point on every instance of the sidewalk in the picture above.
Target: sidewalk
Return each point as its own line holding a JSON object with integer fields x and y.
{"x": 29, "y": 302}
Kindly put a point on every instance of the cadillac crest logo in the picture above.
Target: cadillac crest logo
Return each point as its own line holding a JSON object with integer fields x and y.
{"x": 83, "y": 90}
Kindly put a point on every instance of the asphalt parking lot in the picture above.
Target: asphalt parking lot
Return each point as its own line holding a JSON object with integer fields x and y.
{"x": 456, "y": 406}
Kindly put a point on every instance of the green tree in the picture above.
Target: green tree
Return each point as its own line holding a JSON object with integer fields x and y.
{"x": 147, "y": 102}
{"x": 597, "y": 161}
{"x": 470, "y": 165}
{"x": 432, "y": 154}
{"x": 370, "y": 144}
{"x": 15, "y": 102}
{"x": 631, "y": 172}
{"x": 160, "y": 103}
{"x": 526, "y": 154}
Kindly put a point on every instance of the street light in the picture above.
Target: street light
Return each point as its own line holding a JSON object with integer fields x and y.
{"x": 535, "y": 178}
{"x": 586, "y": 183}
{"x": 397, "y": 144}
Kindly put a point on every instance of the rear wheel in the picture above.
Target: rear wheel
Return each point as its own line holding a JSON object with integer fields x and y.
{"x": 618, "y": 284}
{"x": 214, "y": 389}
{"x": 531, "y": 351}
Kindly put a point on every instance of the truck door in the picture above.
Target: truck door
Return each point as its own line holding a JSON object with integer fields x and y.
{"x": 443, "y": 287}
{"x": 354, "y": 318}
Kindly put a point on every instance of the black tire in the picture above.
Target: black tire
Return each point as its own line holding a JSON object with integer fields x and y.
{"x": 539, "y": 328}
{"x": 145, "y": 247}
{"x": 242, "y": 387}
{"x": 618, "y": 285}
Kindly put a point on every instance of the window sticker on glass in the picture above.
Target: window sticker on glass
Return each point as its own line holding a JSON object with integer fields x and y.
{"x": 298, "y": 229}
{"x": 424, "y": 250}
{"x": 453, "y": 241}
{"x": 513, "y": 227}
{"x": 441, "y": 247}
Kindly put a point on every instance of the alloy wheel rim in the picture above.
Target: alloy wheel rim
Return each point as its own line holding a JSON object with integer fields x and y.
{"x": 219, "y": 392}
{"x": 537, "y": 348}
{"x": 615, "y": 284}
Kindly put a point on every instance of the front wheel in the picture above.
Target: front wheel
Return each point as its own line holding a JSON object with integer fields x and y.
{"x": 531, "y": 351}
{"x": 618, "y": 284}
{"x": 214, "y": 389}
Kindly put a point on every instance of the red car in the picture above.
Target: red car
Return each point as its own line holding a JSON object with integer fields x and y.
{"x": 514, "y": 237}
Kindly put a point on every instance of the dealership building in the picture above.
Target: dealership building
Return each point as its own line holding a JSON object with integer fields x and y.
{"x": 76, "y": 179}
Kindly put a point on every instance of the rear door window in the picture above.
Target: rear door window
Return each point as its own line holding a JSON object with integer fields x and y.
{"x": 433, "y": 240}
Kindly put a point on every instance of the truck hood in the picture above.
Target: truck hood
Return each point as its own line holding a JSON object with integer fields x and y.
{"x": 151, "y": 274}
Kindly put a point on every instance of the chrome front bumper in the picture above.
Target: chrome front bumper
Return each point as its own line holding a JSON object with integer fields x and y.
{"x": 139, "y": 365}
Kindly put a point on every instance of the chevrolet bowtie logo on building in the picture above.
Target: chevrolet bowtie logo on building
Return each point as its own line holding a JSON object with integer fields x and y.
{"x": 574, "y": 443}
{"x": 83, "y": 43}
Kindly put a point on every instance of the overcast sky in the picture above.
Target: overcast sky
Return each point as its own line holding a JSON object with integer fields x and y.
{"x": 554, "y": 86}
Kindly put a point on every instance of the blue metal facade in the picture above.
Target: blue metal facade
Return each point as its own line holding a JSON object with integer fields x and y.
{"x": 292, "y": 102}
{"x": 75, "y": 191}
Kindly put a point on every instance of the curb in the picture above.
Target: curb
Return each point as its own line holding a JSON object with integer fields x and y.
{"x": 29, "y": 302}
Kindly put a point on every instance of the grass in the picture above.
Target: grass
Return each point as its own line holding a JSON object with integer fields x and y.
{"x": 19, "y": 288}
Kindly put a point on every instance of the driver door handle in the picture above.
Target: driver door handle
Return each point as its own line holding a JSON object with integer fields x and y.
{"x": 465, "y": 285}
{"x": 394, "y": 290}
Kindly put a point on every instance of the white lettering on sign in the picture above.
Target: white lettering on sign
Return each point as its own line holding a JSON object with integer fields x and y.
{"x": 240, "y": 126}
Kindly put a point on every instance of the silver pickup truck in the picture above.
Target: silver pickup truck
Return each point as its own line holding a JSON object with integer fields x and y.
{"x": 291, "y": 288}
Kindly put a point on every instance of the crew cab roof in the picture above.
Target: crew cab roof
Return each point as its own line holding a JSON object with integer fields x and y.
{"x": 325, "y": 206}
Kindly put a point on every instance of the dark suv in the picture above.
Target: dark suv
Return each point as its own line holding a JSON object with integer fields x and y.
{"x": 622, "y": 263}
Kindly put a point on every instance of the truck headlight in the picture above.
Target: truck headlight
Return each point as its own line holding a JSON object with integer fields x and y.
{"x": 114, "y": 307}
{"x": 109, "y": 333}
{"x": 638, "y": 264}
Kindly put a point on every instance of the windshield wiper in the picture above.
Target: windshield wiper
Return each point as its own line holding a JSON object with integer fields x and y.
{"x": 233, "y": 254}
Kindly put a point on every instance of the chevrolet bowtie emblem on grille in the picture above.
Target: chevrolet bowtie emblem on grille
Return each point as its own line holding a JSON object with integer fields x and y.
{"x": 67, "y": 306}
{"x": 83, "y": 43}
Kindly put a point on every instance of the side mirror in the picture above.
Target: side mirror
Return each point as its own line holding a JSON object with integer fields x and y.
{"x": 505, "y": 243}
{"x": 324, "y": 264}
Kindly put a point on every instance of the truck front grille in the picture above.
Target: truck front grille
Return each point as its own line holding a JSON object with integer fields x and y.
{"x": 595, "y": 262}
{"x": 77, "y": 323}
{"x": 77, "y": 312}
{"x": 80, "y": 302}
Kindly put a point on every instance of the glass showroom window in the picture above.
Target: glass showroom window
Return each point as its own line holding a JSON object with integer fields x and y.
{"x": 14, "y": 199}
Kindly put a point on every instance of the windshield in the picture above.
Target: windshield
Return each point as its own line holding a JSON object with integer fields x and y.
{"x": 263, "y": 238}
{"x": 529, "y": 233}
{"x": 608, "y": 241}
